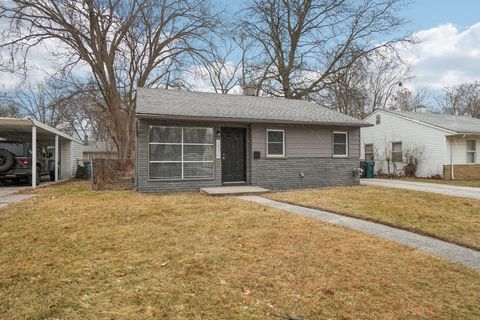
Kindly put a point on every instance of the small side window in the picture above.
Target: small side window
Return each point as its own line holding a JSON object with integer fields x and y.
{"x": 340, "y": 144}
{"x": 275, "y": 143}
{"x": 471, "y": 151}
{"x": 397, "y": 154}
{"x": 378, "y": 119}
{"x": 369, "y": 152}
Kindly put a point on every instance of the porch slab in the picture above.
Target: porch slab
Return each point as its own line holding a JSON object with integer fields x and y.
{"x": 234, "y": 190}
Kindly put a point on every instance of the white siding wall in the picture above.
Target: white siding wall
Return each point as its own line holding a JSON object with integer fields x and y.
{"x": 430, "y": 141}
{"x": 65, "y": 163}
{"x": 76, "y": 155}
{"x": 70, "y": 152}
{"x": 460, "y": 150}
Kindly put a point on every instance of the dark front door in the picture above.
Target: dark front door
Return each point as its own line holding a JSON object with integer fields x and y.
{"x": 233, "y": 155}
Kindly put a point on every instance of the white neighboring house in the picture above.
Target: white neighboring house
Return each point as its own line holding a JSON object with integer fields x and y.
{"x": 436, "y": 140}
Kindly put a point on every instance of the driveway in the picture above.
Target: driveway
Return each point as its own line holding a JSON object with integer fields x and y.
{"x": 7, "y": 195}
{"x": 458, "y": 191}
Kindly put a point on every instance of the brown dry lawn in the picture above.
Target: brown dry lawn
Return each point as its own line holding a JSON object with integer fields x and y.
{"x": 463, "y": 183}
{"x": 71, "y": 253}
{"x": 453, "y": 219}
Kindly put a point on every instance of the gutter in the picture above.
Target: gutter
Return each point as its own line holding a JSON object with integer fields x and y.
{"x": 246, "y": 120}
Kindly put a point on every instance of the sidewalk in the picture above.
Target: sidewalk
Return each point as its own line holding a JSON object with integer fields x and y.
{"x": 449, "y": 251}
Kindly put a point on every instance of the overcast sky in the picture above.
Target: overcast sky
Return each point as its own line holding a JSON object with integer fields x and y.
{"x": 450, "y": 49}
{"x": 449, "y": 52}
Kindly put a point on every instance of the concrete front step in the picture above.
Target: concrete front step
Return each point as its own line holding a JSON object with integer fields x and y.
{"x": 234, "y": 190}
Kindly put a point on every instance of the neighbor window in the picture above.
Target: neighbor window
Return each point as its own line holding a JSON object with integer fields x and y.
{"x": 397, "y": 154}
{"x": 340, "y": 144}
{"x": 369, "y": 152}
{"x": 378, "y": 119}
{"x": 471, "y": 151}
{"x": 275, "y": 143}
{"x": 180, "y": 153}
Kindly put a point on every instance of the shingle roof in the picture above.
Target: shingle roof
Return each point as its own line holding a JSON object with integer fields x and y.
{"x": 458, "y": 124}
{"x": 227, "y": 107}
{"x": 99, "y": 146}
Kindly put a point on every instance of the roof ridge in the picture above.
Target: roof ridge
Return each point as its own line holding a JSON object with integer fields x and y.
{"x": 235, "y": 95}
{"x": 459, "y": 124}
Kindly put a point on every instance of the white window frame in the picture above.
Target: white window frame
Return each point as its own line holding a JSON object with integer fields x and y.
{"x": 474, "y": 151}
{"x": 378, "y": 119}
{"x": 401, "y": 151}
{"x": 346, "y": 144}
{"x": 372, "y": 153}
{"x": 182, "y": 161}
{"x": 283, "y": 144}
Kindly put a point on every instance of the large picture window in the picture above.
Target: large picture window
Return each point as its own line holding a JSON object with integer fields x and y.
{"x": 275, "y": 143}
{"x": 471, "y": 151}
{"x": 340, "y": 144}
{"x": 177, "y": 153}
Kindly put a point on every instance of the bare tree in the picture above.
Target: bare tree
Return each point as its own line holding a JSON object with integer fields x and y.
{"x": 407, "y": 100}
{"x": 385, "y": 74}
{"x": 59, "y": 103}
{"x": 125, "y": 44}
{"x": 368, "y": 84}
{"x": 9, "y": 110}
{"x": 218, "y": 63}
{"x": 348, "y": 93}
{"x": 39, "y": 101}
{"x": 463, "y": 99}
{"x": 305, "y": 43}
{"x": 82, "y": 116}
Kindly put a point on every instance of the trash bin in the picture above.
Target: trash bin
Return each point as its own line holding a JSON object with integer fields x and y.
{"x": 370, "y": 168}
{"x": 87, "y": 169}
{"x": 363, "y": 166}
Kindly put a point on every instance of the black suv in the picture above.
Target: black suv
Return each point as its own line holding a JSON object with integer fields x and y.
{"x": 16, "y": 162}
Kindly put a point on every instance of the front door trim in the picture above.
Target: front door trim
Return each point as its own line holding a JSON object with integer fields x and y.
{"x": 242, "y": 178}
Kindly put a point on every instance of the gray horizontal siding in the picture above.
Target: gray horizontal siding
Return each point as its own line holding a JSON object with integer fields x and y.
{"x": 309, "y": 151}
{"x": 317, "y": 172}
{"x": 354, "y": 142}
{"x": 306, "y": 141}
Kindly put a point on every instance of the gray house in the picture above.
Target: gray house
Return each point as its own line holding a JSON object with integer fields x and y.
{"x": 192, "y": 140}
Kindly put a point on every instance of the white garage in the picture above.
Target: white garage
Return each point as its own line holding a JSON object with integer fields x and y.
{"x": 64, "y": 151}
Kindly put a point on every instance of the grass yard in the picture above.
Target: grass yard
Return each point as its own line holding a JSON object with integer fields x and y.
{"x": 71, "y": 253}
{"x": 450, "y": 218}
{"x": 462, "y": 183}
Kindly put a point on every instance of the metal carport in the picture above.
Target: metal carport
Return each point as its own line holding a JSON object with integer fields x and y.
{"x": 67, "y": 149}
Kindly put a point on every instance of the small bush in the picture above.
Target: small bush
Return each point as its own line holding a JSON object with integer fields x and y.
{"x": 410, "y": 169}
{"x": 109, "y": 174}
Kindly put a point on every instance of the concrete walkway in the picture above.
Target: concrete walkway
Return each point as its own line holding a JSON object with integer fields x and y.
{"x": 458, "y": 191}
{"x": 449, "y": 251}
{"x": 233, "y": 190}
{"x": 7, "y": 195}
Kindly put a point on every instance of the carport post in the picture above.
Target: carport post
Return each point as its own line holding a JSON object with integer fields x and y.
{"x": 56, "y": 158}
{"x": 34, "y": 156}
